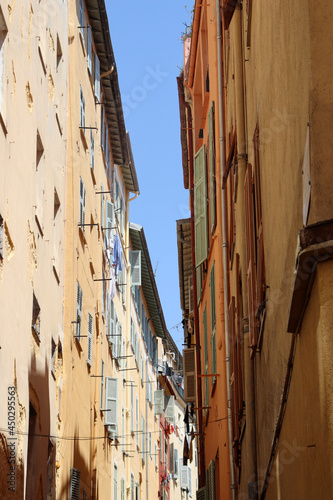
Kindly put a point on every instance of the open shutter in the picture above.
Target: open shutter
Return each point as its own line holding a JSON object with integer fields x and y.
{"x": 102, "y": 385}
{"x": 170, "y": 410}
{"x": 90, "y": 334}
{"x": 189, "y": 375}
{"x": 118, "y": 341}
{"x": 81, "y": 18}
{"x": 102, "y": 128}
{"x": 97, "y": 79}
{"x": 111, "y": 325}
{"x": 82, "y": 110}
{"x": 89, "y": 50}
{"x": 75, "y": 483}
{"x": 79, "y": 297}
{"x": 212, "y": 181}
{"x": 158, "y": 402}
{"x": 202, "y": 493}
{"x": 239, "y": 377}
{"x": 109, "y": 220}
{"x": 111, "y": 401}
{"x": 175, "y": 469}
{"x": 199, "y": 283}
{"x": 92, "y": 150}
{"x": 82, "y": 204}
{"x": 135, "y": 260}
{"x": 249, "y": 230}
{"x": 172, "y": 459}
{"x": 183, "y": 473}
{"x": 200, "y": 207}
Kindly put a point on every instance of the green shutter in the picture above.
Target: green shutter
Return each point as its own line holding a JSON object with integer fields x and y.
{"x": 211, "y": 480}
{"x": 90, "y": 333}
{"x": 199, "y": 283}
{"x": 213, "y": 320}
{"x": 111, "y": 401}
{"x": 212, "y": 180}
{"x": 200, "y": 207}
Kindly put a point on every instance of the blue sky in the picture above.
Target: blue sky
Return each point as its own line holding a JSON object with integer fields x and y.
{"x": 149, "y": 53}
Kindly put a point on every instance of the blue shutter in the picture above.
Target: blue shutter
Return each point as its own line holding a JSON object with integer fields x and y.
{"x": 111, "y": 401}
{"x": 90, "y": 334}
{"x": 97, "y": 79}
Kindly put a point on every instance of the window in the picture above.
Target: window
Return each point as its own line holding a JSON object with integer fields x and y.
{"x": 213, "y": 320}
{"x": 102, "y": 385}
{"x": 200, "y": 207}
{"x": 35, "y": 317}
{"x": 89, "y": 50}
{"x": 176, "y": 463}
{"x": 82, "y": 205}
{"x": 143, "y": 438}
{"x": 212, "y": 181}
{"x": 111, "y": 403}
{"x": 92, "y": 150}
{"x": 115, "y": 482}
{"x": 132, "y": 406}
{"x": 122, "y": 489}
{"x": 81, "y": 19}
{"x": 149, "y": 444}
{"x": 137, "y": 421}
{"x": 206, "y": 356}
{"x": 75, "y": 484}
{"x": 132, "y": 486}
{"x": 32, "y": 448}
{"x": 82, "y": 110}
{"x": 109, "y": 224}
{"x": 90, "y": 334}
{"x": 135, "y": 260}
{"x": 79, "y": 297}
{"x": 97, "y": 79}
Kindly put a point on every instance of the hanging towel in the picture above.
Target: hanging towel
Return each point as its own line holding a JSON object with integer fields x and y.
{"x": 112, "y": 285}
{"x": 116, "y": 259}
{"x": 190, "y": 453}
{"x": 185, "y": 451}
{"x": 186, "y": 420}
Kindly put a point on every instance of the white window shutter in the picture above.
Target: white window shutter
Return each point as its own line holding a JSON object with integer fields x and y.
{"x": 89, "y": 50}
{"x": 109, "y": 211}
{"x": 170, "y": 410}
{"x": 172, "y": 459}
{"x": 111, "y": 324}
{"x": 118, "y": 340}
{"x": 90, "y": 336}
{"x": 158, "y": 402}
{"x": 81, "y": 17}
{"x": 183, "y": 473}
{"x": 135, "y": 260}
{"x": 175, "y": 473}
{"x": 97, "y": 79}
{"x": 189, "y": 375}
{"x": 92, "y": 150}
{"x": 111, "y": 401}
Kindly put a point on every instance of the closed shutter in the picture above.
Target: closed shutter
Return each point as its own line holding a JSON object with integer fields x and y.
{"x": 202, "y": 493}
{"x": 143, "y": 438}
{"x": 189, "y": 481}
{"x": 170, "y": 410}
{"x": 102, "y": 207}
{"x": 135, "y": 260}
{"x": 122, "y": 489}
{"x": 205, "y": 327}
{"x": 158, "y": 402}
{"x": 79, "y": 298}
{"x": 200, "y": 207}
{"x": 90, "y": 334}
{"x": 102, "y": 128}
{"x": 137, "y": 421}
{"x": 239, "y": 339}
{"x": 212, "y": 180}
{"x": 183, "y": 473}
{"x": 111, "y": 401}
{"x": 171, "y": 458}
{"x": 102, "y": 386}
{"x": 249, "y": 231}
{"x": 213, "y": 320}
{"x": 109, "y": 220}
{"x": 189, "y": 366}
{"x": 111, "y": 324}
{"x": 75, "y": 483}
{"x": 82, "y": 204}
{"x": 89, "y": 50}
{"x": 81, "y": 18}
{"x": 97, "y": 79}
{"x": 176, "y": 472}
{"x": 211, "y": 480}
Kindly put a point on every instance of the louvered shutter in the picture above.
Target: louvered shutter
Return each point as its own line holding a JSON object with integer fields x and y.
{"x": 89, "y": 49}
{"x": 97, "y": 79}
{"x": 199, "y": 283}
{"x": 170, "y": 410}
{"x": 202, "y": 493}
{"x": 155, "y": 350}
{"x": 107, "y": 151}
{"x": 82, "y": 203}
{"x": 118, "y": 340}
{"x": 75, "y": 483}
{"x": 200, "y": 207}
{"x": 249, "y": 230}
{"x": 205, "y": 327}
{"x": 189, "y": 480}
{"x": 135, "y": 260}
{"x": 172, "y": 459}
{"x": 176, "y": 472}
{"x": 92, "y": 150}
{"x": 109, "y": 220}
{"x": 189, "y": 365}
{"x": 190, "y": 295}
{"x": 102, "y": 128}
{"x": 212, "y": 181}
{"x": 211, "y": 480}
{"x": 158, "y": 402}
{"x": 132, "y": 406}
{"x": 239, "y": 377}
{"x": 111, "y": 401}
{"x": 102, "y": 207}
{"x": 79, "y": 298}
{"x": 232, "y": 218}
{"x": 102, "y": 385}
{"x": 183, "y": 473}
{"x": 111, "y": 324}
{"x": 122, "y": 489}
{"x": 90, "y": 336}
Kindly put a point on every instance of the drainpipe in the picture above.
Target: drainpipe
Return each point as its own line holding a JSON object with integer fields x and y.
{"x": 224, "y": 244}
{"x": 242, "y": 159}
{"x": 202, "y": 465}
{"x": 94, "y": 443}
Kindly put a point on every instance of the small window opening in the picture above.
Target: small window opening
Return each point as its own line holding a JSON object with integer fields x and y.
{"x": 56, "y": 203}
{"x": 59, "y": 51}
{"x": 39, "y": 150}
{"x": 36, "y": 317}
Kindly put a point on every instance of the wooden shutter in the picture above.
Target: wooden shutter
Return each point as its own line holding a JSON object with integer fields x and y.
{"x": 199, "y": 283}
{"x": 135, "y": 260}
{"x": 189, "y": 365}
{"x": 211, "y": 480}
{"x": 75, "y": 483}
{"x": 89, "y": 50}
{"x": 200, "y": 206}
{"x": 170, "y": 410}
{"x": 111, "y": 401}
{"x": 239, "y": 338}
{"x": 81, "y": 18}
{"x": 90, "y": 336}
{"x": 109, "y": 220}
{"x": 111, "y": 324}
{"x": 176, "y": 471}
{"x": 102, "y": 385}
{"x": 172, "y": 459}
{"x": 183, "y": 473}
{"x": 97, "y": 79}
{"x": 79, "y": 298}
{"x": 82, "y": 109}
{"x": 158, "y": 402}
{"x": 249, "y": 230}
{"x": 82, "y": 203}
{"x": 232, "y": 218}
{"x": 212, "y": 179}
{"x": 202, "y": 494}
